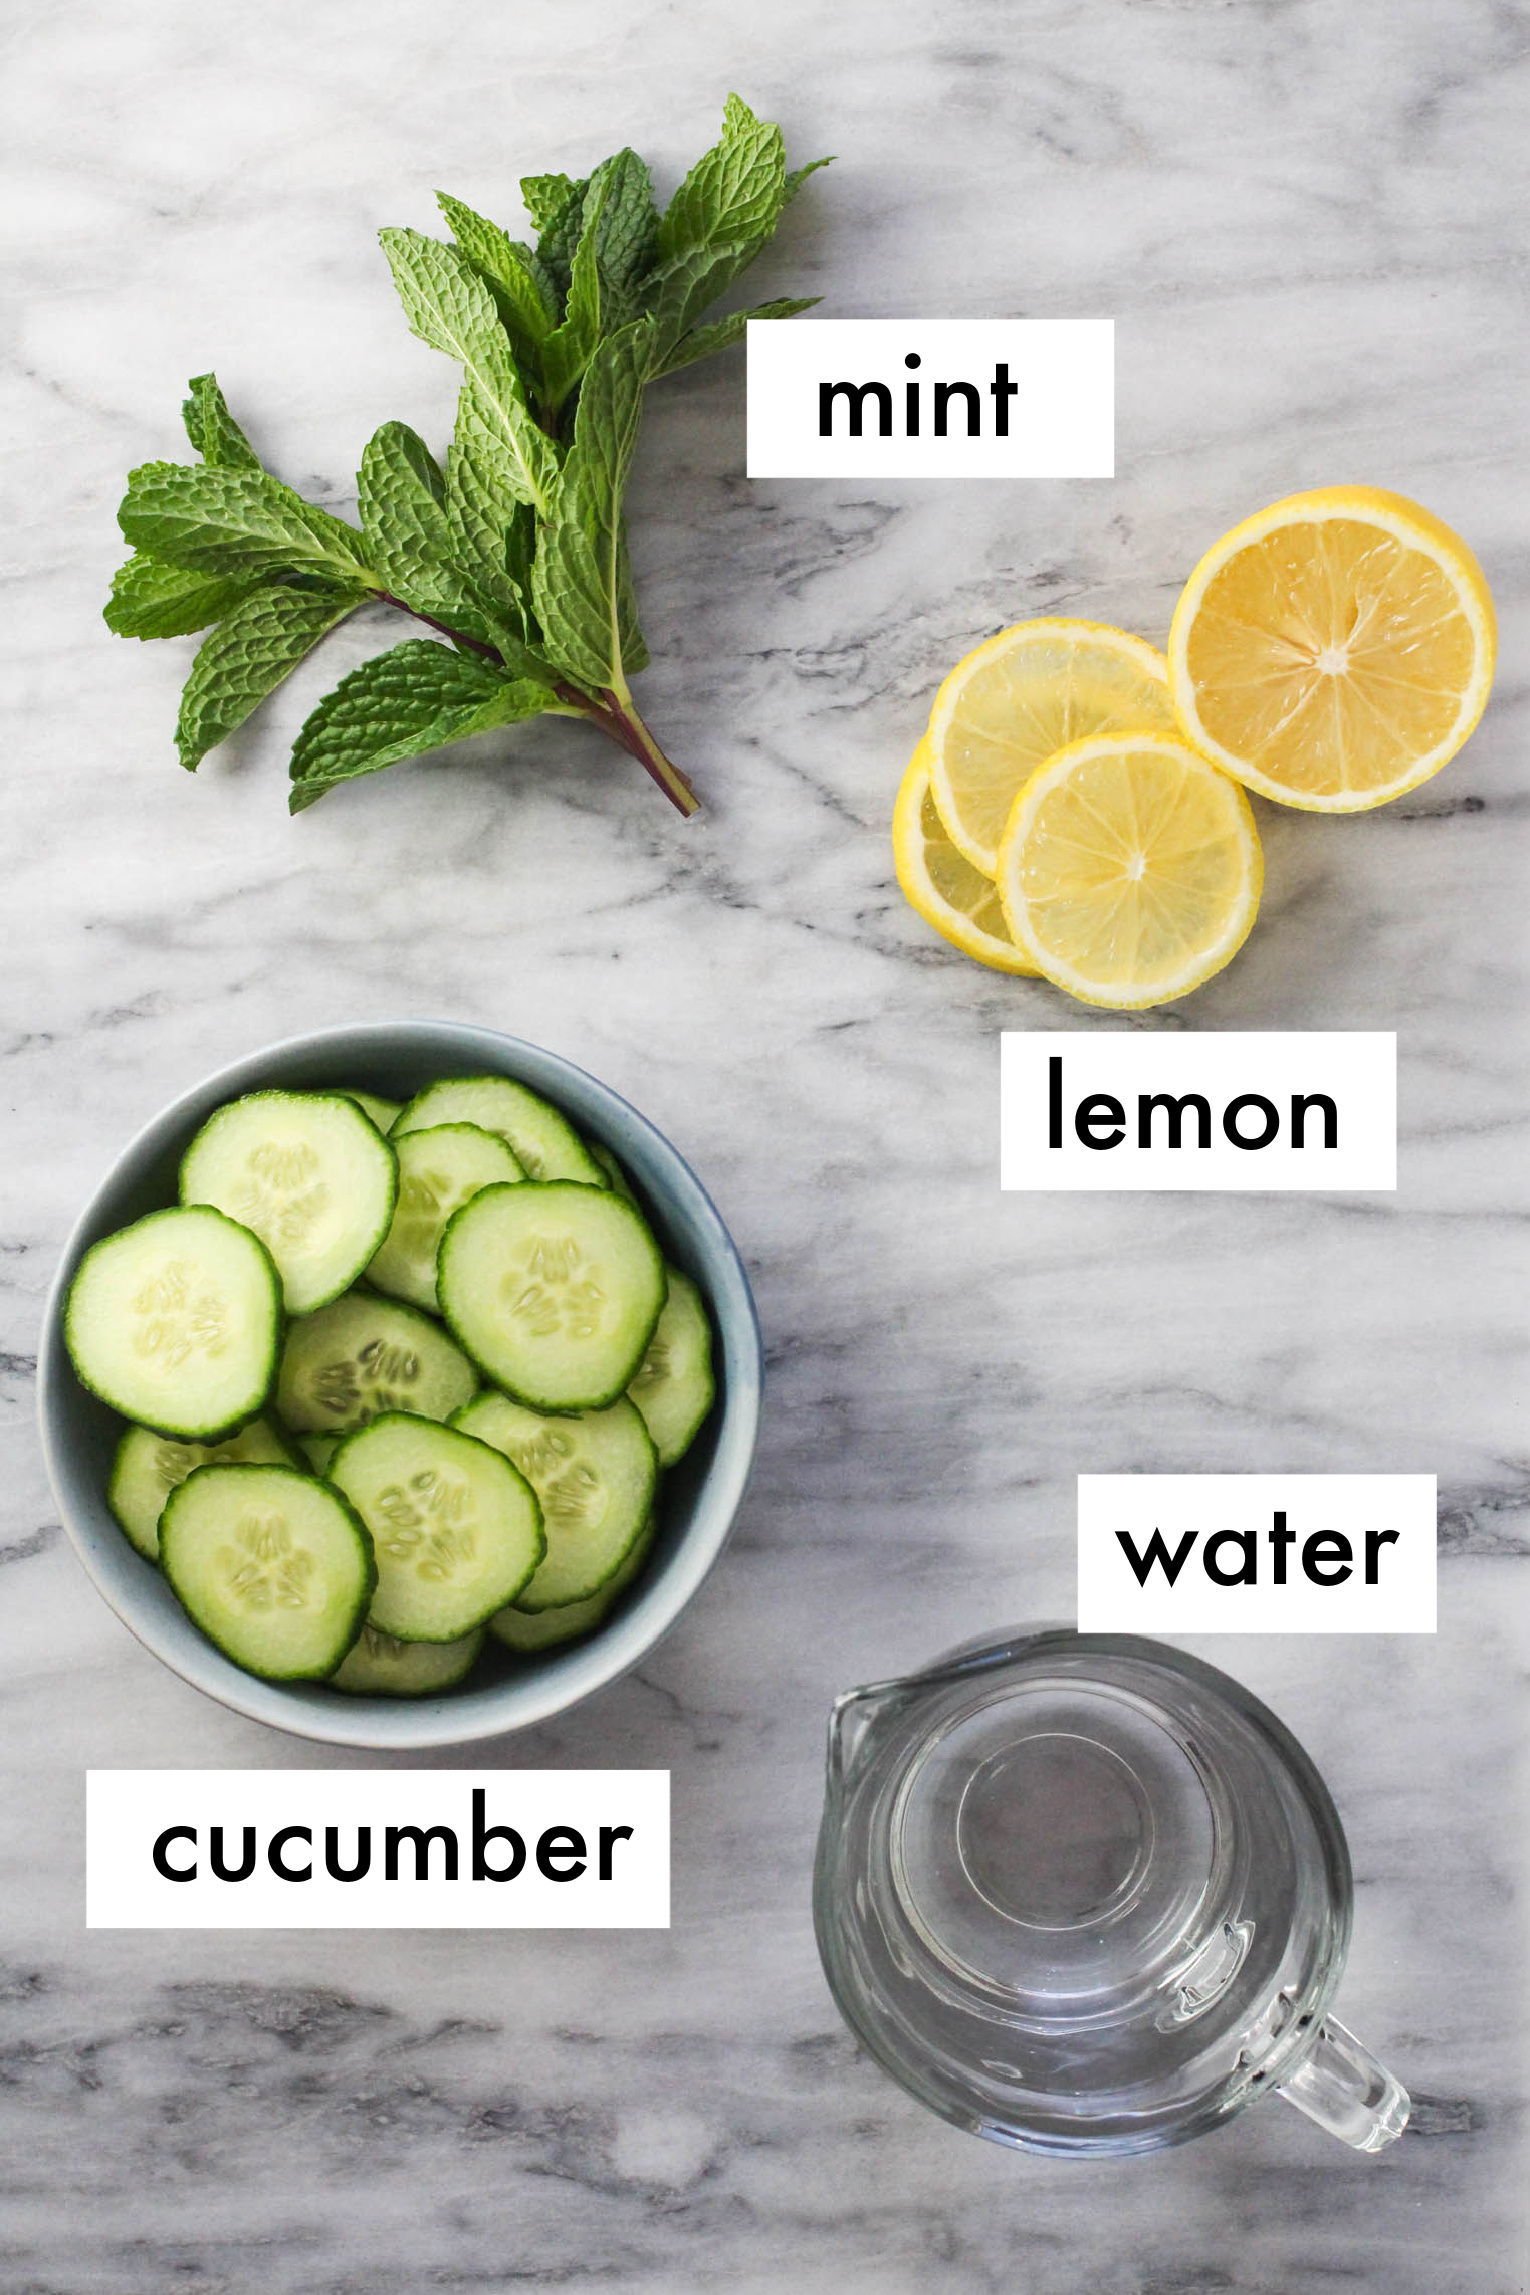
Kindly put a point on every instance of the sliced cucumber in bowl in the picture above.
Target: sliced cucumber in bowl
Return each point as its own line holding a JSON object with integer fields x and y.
{"x": 541, "y": 1138}
{"x": 149, "y": 1466}
{"x": 363, "y": 1355}
{"x": 553, "y": 1289}
{"x": 310, "y": 1174}
{"x": 176, "y": 1322}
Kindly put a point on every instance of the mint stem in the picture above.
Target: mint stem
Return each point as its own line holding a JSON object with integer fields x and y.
{"x": 617, "y": 718}
{"x": 623, "y": 723}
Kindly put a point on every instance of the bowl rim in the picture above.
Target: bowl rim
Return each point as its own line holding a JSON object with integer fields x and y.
{"x": 562, "y": 1679}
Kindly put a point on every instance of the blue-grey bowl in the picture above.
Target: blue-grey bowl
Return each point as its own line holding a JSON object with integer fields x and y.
{"x": 698, "y": 1499}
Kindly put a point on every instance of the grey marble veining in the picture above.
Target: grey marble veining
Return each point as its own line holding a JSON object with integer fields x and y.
{"x": 1301, "y": 217}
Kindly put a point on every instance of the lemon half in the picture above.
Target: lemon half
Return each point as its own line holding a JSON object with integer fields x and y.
{"x": 1334, "y": 650}
{"x": 1131, "y": 870}
{"x": 949, "y": 893}
{"x": 1013, "y": 702}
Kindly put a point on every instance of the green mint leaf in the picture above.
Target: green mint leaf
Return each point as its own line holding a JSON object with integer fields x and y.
{"x": 568, "y": 350}
{"x": 701, "y": 342}
{"x": 400, "y": 704}
{"x": 245, "y": 658}
{"x": 558, "y": 231}
{"x": 682, "y": 287}
{"x": 449, "y": 307}
{"x": 152, "y": 600}
{"x": 735, "y": 192}
{"x": 799, "y": 175}
{"x": 546, "y": 196}
{"x": 525, "y": 295}
{"x": 412, "y": 543}
{"x": 627, "y": 227}
{"x": 578, "y": 589}
{"x": 239, "y": 522}
{"x": 401, "y": 494}
{"x": 212, "y": 430}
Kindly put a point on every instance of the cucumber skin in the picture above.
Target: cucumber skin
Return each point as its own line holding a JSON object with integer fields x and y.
{"x": 279, "y": 1092}
{"x": 278, "y": 1331}
{"x": 496, "y": 1378}
{"x": 364, "y": 1540}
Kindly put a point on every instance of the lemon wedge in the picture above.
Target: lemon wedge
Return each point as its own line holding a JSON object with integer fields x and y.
{"x": 1131, "y": 870}
{"x": 949, "y": 893}
{"x": 1335, "y": 650}
{"x": 1011, "y": 703}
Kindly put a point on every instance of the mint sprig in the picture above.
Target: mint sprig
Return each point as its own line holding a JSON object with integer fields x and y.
{"x": 515, "y": 552}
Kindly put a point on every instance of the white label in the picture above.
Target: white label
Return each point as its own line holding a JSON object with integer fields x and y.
{"x": 1113, "y": 1110}
{"x": 1256, "y": 1553}
{"x": 932, "y": 398}
{"x": 377, "y": 1848}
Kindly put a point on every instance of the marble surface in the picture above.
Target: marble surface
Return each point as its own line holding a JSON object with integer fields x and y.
{"x": 1301, "y": 217}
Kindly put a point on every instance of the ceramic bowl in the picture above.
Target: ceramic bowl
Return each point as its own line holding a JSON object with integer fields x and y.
{"x": 698, "y": 1500}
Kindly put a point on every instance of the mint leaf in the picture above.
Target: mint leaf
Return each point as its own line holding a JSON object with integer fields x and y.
{"x": 401, "y": 494}
{"x": 546, "y": 196}
{"x": 581, "y": 597}
{"x": 212, "y": 430}
{"x": 245, "y": 658}
{"x": 679, "y": 290}
{"x": 152, "y": 600}
{"x": 799, "y": 176}
{"x": 735, "y": 192}
{"x": 701, "y": 342}
{"x": 620, "y": 198}
{"x": 411, "y": 541}
{"x": 449, "y": 307}
{"x": 559, "y": 229}
{"x": 525, "y": 295}
{"x": 567, "y": 352}
{"x": 418, "y": 697}
{"x": 239, "y": 522}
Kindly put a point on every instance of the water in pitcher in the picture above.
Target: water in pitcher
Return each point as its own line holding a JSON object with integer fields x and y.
{"x": 1076, "y": 1897}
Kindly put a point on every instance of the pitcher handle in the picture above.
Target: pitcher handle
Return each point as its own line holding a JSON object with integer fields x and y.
{"x": 1340, "y": 2084}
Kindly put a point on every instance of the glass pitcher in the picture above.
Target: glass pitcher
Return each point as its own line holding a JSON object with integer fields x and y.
{"x": 1082, "y": 1893}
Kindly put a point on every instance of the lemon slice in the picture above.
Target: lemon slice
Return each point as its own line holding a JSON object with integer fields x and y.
{"x": 1016, "y": 700}
{"x": 961, "y": 903}
{"x": 1335, "y": 650}
{"x": 1131, "y": 870}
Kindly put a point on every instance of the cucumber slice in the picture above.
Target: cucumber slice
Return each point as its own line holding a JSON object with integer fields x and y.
{"x": 383, "y": 1113}
{"x": 594, "y": 1475}
{"x": 380, "y": 1666}
{"x": 674, "y": 1387}
{"x": 612, "y": 1169}
{"x": 149, "y": 1466}
{"x": 457, "y": 1528}
{"x": 176, "y": 1322}
{"x": 363, "y": 1355}
{"x": 554, "y": 1290}
{"x": 528, "y": 1630}
{"x": 319, "y": 1449}
{"x": 274, "y": 1567}
{"x": 543, "y": 1141}
{"x": 309, "y": 1174}
{"x": 439, "y": 1170}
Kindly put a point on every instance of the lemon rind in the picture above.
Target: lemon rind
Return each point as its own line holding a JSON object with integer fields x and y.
{"x": 1207, "y": 963}
{"x": 920, "y": 893}
{"x": 1407, "y": 522}
{"x": 1064, "y": 626}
